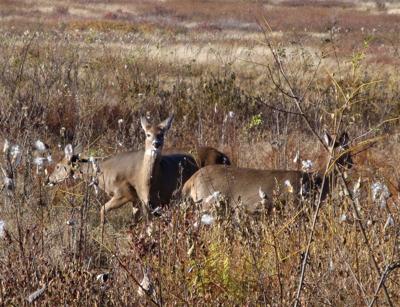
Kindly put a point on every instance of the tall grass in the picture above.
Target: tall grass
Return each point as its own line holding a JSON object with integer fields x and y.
{"x": 59, "y": 88}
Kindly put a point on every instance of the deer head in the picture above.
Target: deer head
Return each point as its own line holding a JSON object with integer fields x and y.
{"x": 155, "y": 134}
{"x": 342, "y": 144}
{"x": 65, "y": 168}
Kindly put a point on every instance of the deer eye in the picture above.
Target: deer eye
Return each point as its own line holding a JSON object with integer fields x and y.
{"x": 148, "y": 135}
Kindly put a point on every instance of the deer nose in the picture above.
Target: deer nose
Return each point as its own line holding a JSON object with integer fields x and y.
{"x": 157, "y": 143}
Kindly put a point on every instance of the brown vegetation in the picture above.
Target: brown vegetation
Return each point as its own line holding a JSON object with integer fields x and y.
{"x": 70, "y": 77}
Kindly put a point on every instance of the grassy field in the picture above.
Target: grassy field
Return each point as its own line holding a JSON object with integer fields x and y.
{"x": 259, "y": 80}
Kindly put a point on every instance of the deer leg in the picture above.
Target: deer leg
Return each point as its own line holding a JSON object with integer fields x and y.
{"x": 135, "y": 213}
{"x": 113, "y": 203}
{"x": 146, "y": 211}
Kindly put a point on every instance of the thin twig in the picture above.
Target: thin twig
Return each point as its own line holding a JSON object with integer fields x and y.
{"x": 128, "y": 271}
{"x": 360, "y": 286}
{"x": 290, "y": 93}
{"x": 389, "y": 268}
{"x": 278, "y": 268}
{"x": 297, "y": 101}
{"x": 277, "y": 109}
{"x": 364, "y": 234}
{"x": 310, "y": 238}
{"x": 24, "y": 52}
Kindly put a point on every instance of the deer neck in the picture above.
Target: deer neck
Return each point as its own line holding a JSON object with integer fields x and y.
{"x": 149, "y": 171}
{"x": 85, "y": 170}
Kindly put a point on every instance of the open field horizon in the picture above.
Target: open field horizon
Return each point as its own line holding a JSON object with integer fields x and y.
{"x": 259, "y": 80}
{"x": 205, "y": 31}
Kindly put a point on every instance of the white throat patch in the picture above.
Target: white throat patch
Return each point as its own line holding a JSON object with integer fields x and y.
{"x": 152, "y": 152}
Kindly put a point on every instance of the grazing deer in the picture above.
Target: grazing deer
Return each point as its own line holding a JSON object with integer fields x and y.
{"x": 125, "y": 177}
{"x": 253, "y": 186}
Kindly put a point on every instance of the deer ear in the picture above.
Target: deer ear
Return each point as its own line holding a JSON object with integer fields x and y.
{"x": 144, "y": 122}
{"x": 69, "y": 152}
{"x": 327, "y": 139}
{"x": 166, "y": 124}
{"x": 344, "y": 140}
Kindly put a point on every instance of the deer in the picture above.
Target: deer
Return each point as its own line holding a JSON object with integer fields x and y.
{"x": 206, "y": 155}
{"x": 146, "y": 174}
{"x": 252, "y": 187}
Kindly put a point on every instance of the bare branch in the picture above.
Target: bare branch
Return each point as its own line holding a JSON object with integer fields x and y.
{"x": 389, "y": 268}
{"x": 364, "y": 234}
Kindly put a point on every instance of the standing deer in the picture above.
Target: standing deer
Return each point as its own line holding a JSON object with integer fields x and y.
{"x": 254, "y": 186}
{"x": 125, "y": 177}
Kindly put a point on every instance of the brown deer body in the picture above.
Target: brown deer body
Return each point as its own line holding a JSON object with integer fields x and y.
{"x": 252, "y": 186}
{"x": 143, "y": 175}
{"x": 243, "y": 185}
{"x": 126, "y": 177}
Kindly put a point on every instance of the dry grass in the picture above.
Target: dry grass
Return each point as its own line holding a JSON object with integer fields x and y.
{"x": 311, "y": 24}
{"x": 89, "y": 63}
